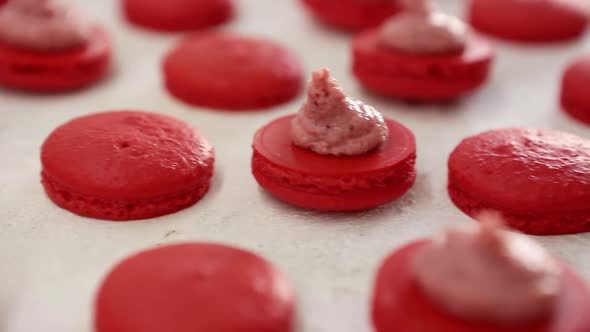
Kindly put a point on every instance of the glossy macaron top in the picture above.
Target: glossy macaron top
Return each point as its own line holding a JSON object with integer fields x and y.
{"x": 524, "y": 170}
{"x": 274, "y": 142}
{"x": 127, "y": 155}
{"x": 195, "y": 287}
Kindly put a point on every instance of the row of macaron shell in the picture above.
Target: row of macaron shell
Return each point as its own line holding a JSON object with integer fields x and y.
{"x": 135, "y": 165}
{"x": 153, "y": 152}
{"x": 425, "y": 286}
{"x": 191, "y": 76}
{"x": 113, "y": 313}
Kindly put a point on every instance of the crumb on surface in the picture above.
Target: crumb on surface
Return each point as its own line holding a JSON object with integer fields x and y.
{"x": 170, "y": 232}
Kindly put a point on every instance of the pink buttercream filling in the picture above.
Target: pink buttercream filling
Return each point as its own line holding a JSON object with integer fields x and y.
{"x": 579, "y": 5}
{"x": 332, "y": 123}
{"x": 487, "y": 274}
{"x": 421, "y": 30}
{"x": 42, "y": 25}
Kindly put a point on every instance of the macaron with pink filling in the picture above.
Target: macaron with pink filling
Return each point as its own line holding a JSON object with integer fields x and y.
{"x": 478, "y": 278}
{"x": 421, "y": 54}
{"x": 335, "y": 154}
{"x": 47, "y": 46}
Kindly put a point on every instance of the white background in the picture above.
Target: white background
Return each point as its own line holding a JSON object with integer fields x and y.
{"x": 52, "y": 261}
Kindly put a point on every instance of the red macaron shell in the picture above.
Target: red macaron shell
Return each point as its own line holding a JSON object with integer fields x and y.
{"x": 333, "y": 183}
{"x": 178, "y": 15}
{"x": 56, "y": 71}
{"x": 194, "y": 287}
{"x": 232, "y": 72}
{"x": 126, "y": 165}
{"x": 353, "y": 14}
{"x": 531, "y": 223}
{"x": 528, "y": 21}
{"x": 399, "y": 305}
{"x": 539, "y": 179}
{"x": 575, "y": 98}
{"x": 424, "y": 77}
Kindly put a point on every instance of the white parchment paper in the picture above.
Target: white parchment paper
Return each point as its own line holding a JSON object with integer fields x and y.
{"x": 52, "y": 260}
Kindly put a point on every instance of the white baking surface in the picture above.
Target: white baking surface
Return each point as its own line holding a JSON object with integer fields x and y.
{"x": 52, "y": 260}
